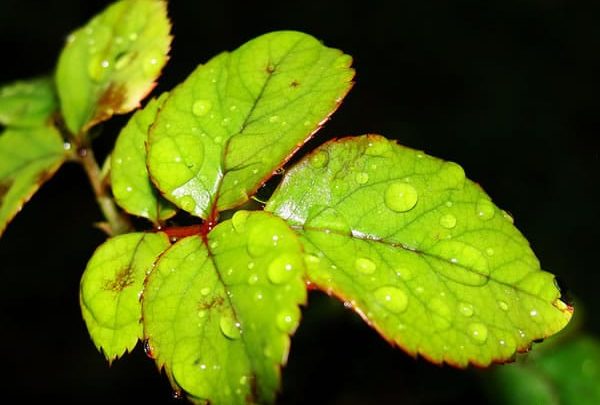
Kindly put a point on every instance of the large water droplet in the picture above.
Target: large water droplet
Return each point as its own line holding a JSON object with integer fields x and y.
{"x": 460, "y": 262}
{"x": 392, "y": 298}
{"x": 260, "y": 241}
{"x": 239, "y": 220}
{"x": 378, "y": 148}
{"x": 448, "y": 221}
{"x": 320, "y": 159}
{"x": 466, "y": 309}
{"x": 362, "y": 177}
{"x": 400, "y": 197}
{"x": 98, "y": 67}
{"x": 485, "y": 209}
{"x": 364, "y": 265}
{"x": 201, "y": 107}
{"x": 230, "y": 327}
{"x": 282, "y": 268}
{"x": 452, "y": 175}
{"x": 478, "y": 332}
{"x": 287, "y": 320}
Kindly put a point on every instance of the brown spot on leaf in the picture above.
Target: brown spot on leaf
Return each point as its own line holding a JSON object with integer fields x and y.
{"x": 4, "y": 187}
{"x": 110, "y": 102}
{"x": 270, "y": 68}
{"x": 294, "y": 83}
{"x": 213, "y": 303}
{"x": 123, "y": 279}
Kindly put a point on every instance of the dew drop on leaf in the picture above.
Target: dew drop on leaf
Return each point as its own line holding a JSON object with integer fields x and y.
{"x": 281, "y": 269}
{"x": 187, "y": 203}
{"x": 253, "y": 279}
{"x": 503, "y": 305}
{"x": 404, "y": 273}
{"x": 239, "y": 220}
{"x": 392, "y": 298}
{"x": 364, "y": 265}
{"x": 400, "y": 197}
{"x": 201, "y": 107}
{"x": 362, "y": 177}
{"x": 448, "y": 221}
{"x": 319, "y": 159}
{"x": 230, "y": 327}
{"x": 452, "y": 175}
{"x": 287, "y": 321}
{"x": 466, "y": 309}
{"x": 478, "y": 332}
{"x": 485, "y": 210}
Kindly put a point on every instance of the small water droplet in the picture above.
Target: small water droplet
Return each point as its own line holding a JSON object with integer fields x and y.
{"x": 306, "y": 123}
{"x": 97, "y": 67}
{"x": 364, "y": 265}
{"x": 282, "y": 268}
{"x": 400, "y": 197}
{"x": 478, "y": 332}
{"x": 67, "y": 146}
{"x": 319, "y": 159}
{"x": 392, "y": 298}
{"x": 448, "y": 221}
{"x": 151, "y": 65}
{"x": 485, "y": 210}
{"x": 253, "y": 279}
{"x": 133, "y": 36}
{"x": 503, "y": 305}
{"x": 239, "y": 220}
{"x": 273, "y": 118}
{"x": 287, "y": 320}
{"x": 452, "y": 175}
{"x": 205, "y": 291}
{"x": 201, "y": 107}
{"x": 233, "y": 108}
{"x": 465, "y": 309}
{"x": 201, "y": 314}
{"x": 230, "y": 327}
{"x": 489, "y": 251}
{"x": 533, "y": 313}
{"x": 404, "y": 273}
{"x": 507, "y": 217}
{"x": 362, "y": 177}
{"x": 250, "y": 265}
{"x": 378, "y": 148}
{"x": 187, "y": 203}
{"x": 258, "y": 296}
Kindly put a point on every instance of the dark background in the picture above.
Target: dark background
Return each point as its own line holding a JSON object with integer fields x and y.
{"x": 508, "y": 89}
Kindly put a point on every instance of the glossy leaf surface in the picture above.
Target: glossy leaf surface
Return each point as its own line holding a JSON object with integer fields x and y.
{"x": 419, "y": 251}
{"x": 28, "y": 157}
{"x": 218, "y": 316}
{"x": 131, "y": 183}
{"x": 111, "y": 289}
{"x": 240, "y": 116}
{"x": 27, "y": 103}
{"x": 109, "y": 65}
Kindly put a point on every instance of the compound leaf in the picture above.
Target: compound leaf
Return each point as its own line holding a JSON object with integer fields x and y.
{"x": 26, "y": 103}
{"x": 111, "y": 289}
{"x": 28, "y": 157}
{"x": 131, "y": 183}
{"x": 239, "y": 117}
{"x": 108, "y": 66}
{"x": 218, "y": 316}
{"x": 419, "y": 251}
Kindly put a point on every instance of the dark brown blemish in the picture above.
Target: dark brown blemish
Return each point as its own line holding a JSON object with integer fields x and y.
{"x": 294, "y": 83}
{"x": 213, "y": 303}
{"x": 123, "y": 279}
{"x": 270, "y": 68}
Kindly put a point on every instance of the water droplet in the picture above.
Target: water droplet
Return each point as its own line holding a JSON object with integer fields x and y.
{"x": 205, "y": 291}
{"x": 282, "y": 268}
{"x": 306, "y": 123}
{"x": 258, "y": 296}
{"x": 448, "y": 221}
{"x": 250, "y": 265}
{"x": 392, "y": 298}
{"x": 259, "y": 242}
{"x": 508, "y": 217}
{"x": 133, "y": 36}
{"x": 449, "y": 204}
{"x": 287, "y": 320}
{"x": 151, "y": 65}
{"x": 478, "y": 332}
{"x": 365, "y": 266}
{"x": 273, "y": 118}
{"x": 485, "y": 209}
{"x": 503, "y": 305}
{"x": 465, "y": 309}
{"x": 362, "y": 177}
{"x": 533, "y": 313}
{"x": 187, "y": 203}
{"x": 378, "y": 148}
{"x": 460, "y": 262}
{"x": 253, "y": 279}
{"x": 452, "y": 175}
{"x": 400, "y": 197}
{"x": 319, "y": 159}
{"x": 230, "y": 327}
{"x": 201, "y": 314}
{"x": 489, "y": 251}
{"x": 201, "y": 107}
{"x": 97, "y": 67}
{"x": 67, "y": 146}
{"x": 239, "y": 220}
{"x": 404, "y": 273}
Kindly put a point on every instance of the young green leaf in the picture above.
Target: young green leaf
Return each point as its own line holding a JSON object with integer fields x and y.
{"x": 27, "y": 103}
{"x": 567, "y": 374}
{"x": 419, "y": 251}
{"x": 239, "y": 117}
{"x": 108, "y": 66}
{"x": 131, "y": 183}
{"x": 218, "y": 315}
{"x": 28, "y": 157}
{"x": 111, "y": 289}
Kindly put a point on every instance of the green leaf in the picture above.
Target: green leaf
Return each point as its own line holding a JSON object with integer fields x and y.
{"x": 111, "y": 289}
{"x": 131, "y": 183}
{"x": 28, "y": 157}
{"x": 419, "y": 251}
{"x": 108, "y": 66}
{"x": 27, "y": 103}
{"x": 239, "y": 117}
{"x": 218, "y": 316}
{"x": 561, "y": 374}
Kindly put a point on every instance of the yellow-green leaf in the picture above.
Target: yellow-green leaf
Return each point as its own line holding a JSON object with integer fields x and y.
{"x": 26, "y": 103}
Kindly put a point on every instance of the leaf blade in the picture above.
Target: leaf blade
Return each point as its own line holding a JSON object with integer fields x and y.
{"x": 241, "y": 116}
{"x": 419, "y": 251}
{"x": 110, "y": 290}
{"x": 218, "y": 318}
{"x": 28, "y": 158}
{"x": 108, "y": 66}
{"x": 26, "y": 103}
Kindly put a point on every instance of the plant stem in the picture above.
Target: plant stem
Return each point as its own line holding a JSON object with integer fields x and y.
{"x": 118, "y": 223}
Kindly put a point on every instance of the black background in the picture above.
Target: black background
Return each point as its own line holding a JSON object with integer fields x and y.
{"x": 508, "y": 89}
